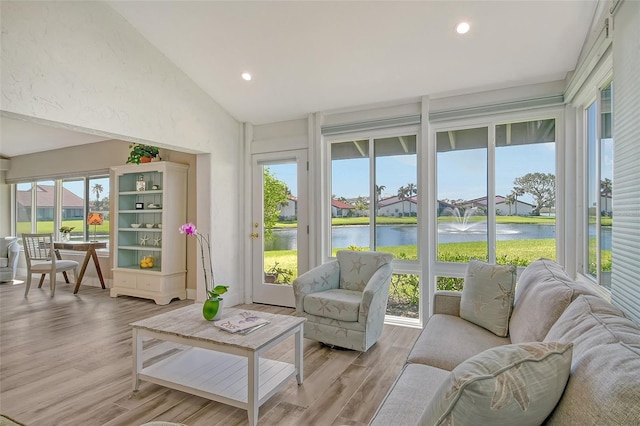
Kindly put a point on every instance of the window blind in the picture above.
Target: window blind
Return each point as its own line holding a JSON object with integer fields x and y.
{"x": 625, "y": 277}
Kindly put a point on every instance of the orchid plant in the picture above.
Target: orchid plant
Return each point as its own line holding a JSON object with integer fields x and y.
{"x": 213, "y": 291}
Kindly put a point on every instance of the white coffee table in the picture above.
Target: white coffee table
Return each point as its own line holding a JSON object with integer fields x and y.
{"x": 218, "y": 365}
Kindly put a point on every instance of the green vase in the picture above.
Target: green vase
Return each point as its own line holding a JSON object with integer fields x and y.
{"x": 212, "y": 309}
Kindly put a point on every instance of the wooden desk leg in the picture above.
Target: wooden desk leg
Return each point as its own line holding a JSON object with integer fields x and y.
{"x": 94, "y": 255}
{"x": 64, "y": 273}
{"x": 82, "y": 270}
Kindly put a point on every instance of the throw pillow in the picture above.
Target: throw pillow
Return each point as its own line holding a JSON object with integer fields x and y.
{"x": 513, "y": 384}
{"x": 487, "y": 296}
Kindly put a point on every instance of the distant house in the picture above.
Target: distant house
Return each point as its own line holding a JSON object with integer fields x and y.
{"x": 290, "y": 209}
{"x": 518, "y": 208}
{"x": 394, "y": 206}
{"x": 72, "y": 205}
{"x": 341, "y": 209}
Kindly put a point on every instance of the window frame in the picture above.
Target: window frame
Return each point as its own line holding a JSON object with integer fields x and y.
{"x": 491, "y": 121}
{"x": 400, "y": 266}
{"x": 58, "y": 184}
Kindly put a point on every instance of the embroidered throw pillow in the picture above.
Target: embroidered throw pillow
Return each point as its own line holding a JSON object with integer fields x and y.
{"x": 505, "y": 385}
{"x": 487, "y": 296}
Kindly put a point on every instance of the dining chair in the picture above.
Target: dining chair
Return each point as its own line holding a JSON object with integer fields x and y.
{"x": 41, "y": 259}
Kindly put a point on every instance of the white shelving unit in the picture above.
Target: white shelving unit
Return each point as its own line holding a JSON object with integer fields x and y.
{"x": 165, "y": 208}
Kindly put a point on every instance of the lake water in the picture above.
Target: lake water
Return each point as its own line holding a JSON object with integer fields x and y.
{"x": 400, "y": 235}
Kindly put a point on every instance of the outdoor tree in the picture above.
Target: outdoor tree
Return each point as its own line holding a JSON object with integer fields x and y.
{"x": 402, "y": 195}
{"x": 412, "y": 190}
{"x": 275, "y": 196}
{"x": 361, "y": 203}
{"x": 542, "y": 186}
{"x": 97, "y": 189}
{"x": 510, "y": 200}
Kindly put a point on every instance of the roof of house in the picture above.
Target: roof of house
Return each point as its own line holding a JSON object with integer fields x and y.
{"x": 45, "y": 196}
{"x": 499, "y": 200}
{"x": 394, "y": 200}
{"x": 341, "y": 205}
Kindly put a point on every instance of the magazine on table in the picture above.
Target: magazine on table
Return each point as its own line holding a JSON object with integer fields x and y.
{"x": 242, "y": 323}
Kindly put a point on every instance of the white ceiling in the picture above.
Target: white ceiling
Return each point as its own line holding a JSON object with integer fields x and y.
{"x": 308, "y": 56}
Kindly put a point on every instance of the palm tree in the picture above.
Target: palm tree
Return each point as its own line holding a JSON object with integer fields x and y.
{"x": 379, "y": 189}
{"x": 517, "y": 192}
{"x": 97, "y": 189}
{"x": 412, "y": 190}
{"x": 402, "y": 195}
{"x": 510, "y": 200}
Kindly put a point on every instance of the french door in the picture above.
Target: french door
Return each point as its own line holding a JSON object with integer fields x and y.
{"x": 279, "y": 226}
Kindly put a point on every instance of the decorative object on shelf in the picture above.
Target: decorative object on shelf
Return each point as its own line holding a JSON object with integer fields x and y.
{"x": 139, "y": 206}
{"x": 66, "y": 232}
{"x": 153, "y": 206}
{"x": 143, "y": 240}
{"x": 141, "y": 185}
{"x": 149, "y": 225}
{"x": 135, "y": 225}
{"x": 147, "y": 262}
{"x": 142, "y": 153}
{"x": 95, "y": 219}
{"x": 212, "y": 308}
{"x": 156, "y": 241}
{"x": 155, "y": 187}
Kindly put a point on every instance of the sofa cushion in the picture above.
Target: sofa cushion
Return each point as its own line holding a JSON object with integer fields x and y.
{"x": 447, "y": 341}
{"x": 341, "y": 305}
{"x": 543, "y": 292}
{"x": 513, "y": 384}
{"x": 356, "y": 269}
{"x": 604, "y": 386}
{"x": 590, "y": 321}
{"x": 409, "y": 395}
{"x": 487, "y": 296}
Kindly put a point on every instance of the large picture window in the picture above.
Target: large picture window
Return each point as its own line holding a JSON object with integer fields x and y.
{"x": 496, "y": 201}
{"x": 61, "y": 203}
{"x": 374, "y": 206}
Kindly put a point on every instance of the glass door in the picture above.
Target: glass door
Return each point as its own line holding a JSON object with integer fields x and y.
{"x": 279, "y": 230}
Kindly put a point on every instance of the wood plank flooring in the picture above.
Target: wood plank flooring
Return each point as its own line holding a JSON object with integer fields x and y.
{"x": 67, "y": 361}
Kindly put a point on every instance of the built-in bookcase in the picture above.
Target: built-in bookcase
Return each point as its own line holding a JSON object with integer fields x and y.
{"x": 149, "y": 251}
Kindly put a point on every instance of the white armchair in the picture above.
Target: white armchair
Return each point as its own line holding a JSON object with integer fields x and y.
{"x": 345, "y": 300}
{"x": 9, "y": 253}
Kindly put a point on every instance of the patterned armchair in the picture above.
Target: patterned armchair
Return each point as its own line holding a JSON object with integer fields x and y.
{"x": 9, "y": 253}
{"x": 345, "y": 300}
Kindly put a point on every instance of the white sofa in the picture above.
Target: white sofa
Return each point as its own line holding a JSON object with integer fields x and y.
{"x": 9, "y": 253}
{"x": 603, "y": 386}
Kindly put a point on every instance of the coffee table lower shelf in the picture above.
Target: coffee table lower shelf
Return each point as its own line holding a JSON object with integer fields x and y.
{"x": 218, "y": 376}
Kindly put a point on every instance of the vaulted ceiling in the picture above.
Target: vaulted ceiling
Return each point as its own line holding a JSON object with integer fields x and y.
{"x": 310, "y": 56}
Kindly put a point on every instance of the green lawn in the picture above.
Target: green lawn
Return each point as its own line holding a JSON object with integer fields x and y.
{"x": 46, "y": 227}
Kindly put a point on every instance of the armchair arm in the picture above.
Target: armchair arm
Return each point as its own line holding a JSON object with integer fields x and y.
{"x": 447, "y": 302}
{"x": 321, "y": 278}
{"x": 375, "y": 295}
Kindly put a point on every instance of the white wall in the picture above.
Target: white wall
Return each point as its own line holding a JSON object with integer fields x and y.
{"x": 80, "y": 65}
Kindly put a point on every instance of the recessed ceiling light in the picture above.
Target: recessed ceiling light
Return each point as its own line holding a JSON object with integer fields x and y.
{"x": 246, "y": 76}
{"x": 462, "y": 28}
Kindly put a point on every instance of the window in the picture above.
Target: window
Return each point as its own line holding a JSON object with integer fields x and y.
{"x": 496, "y": 201}
{"x": 374, "y": 206}
{"x": 62, "y": 203}
{"x": 599, "y": 187}
{"x": 374, "y": 195}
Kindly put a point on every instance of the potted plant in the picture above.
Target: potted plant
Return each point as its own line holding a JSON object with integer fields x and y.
{"x": 66, "y": 232}
{"x": 278, "y": 275}
{"x": 142, "y": 153}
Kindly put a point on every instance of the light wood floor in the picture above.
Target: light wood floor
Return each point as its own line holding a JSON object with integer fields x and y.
{"x": 67, "y": 361}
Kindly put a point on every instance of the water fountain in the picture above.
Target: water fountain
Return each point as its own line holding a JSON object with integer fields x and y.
{"x": 461, "y": 222}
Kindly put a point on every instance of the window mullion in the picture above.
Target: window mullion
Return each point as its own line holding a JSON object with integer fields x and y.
{"x": 372, "y": 196}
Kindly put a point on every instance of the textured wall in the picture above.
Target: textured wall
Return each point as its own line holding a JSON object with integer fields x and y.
{"x": 82, "y": 66}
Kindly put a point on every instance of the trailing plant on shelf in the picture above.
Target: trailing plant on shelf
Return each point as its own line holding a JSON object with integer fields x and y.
{"x": 141, "y": 153}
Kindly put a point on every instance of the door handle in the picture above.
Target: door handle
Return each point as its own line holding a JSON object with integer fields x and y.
{"x": 254, "y": 235}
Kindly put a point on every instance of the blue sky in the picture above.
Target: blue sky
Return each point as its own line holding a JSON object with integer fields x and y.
{"x": 461, "y": 174}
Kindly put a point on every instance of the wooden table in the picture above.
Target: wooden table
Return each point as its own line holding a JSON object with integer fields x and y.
{"x": 216, "y": 364}
{"x": 87, "y": 246}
